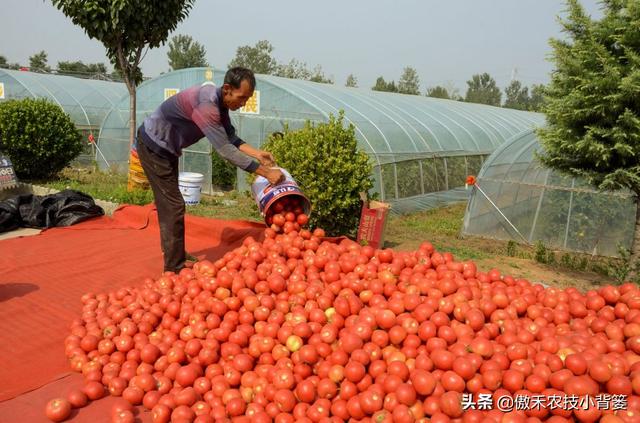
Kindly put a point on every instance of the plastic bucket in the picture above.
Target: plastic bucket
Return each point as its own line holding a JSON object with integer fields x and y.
{"x": 190, "y": 184}
{"x": 266, "y": 195}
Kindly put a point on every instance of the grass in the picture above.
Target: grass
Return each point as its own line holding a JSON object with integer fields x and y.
{"x": 111, "y": 186}
{"x": 441, "y": 227}
{"x": 232, "y": 206}
{"x": 108, "y": 186}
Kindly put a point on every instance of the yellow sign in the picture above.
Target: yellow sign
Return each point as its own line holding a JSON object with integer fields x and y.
{"x": 168, "y": 92}
{"x": 2, "y": 90}
{"x": 208, "y": 75}
{"x": 253, "y": 104}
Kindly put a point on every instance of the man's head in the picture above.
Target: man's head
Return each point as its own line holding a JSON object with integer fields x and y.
{"x": 238, "y": 87}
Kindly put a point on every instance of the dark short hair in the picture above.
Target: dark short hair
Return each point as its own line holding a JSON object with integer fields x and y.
{"x": 236, "y": 75}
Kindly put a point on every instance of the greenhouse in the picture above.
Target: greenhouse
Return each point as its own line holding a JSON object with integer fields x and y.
{"x": 86, "y": 101}
{"x": 422, "y": 148}
{"x": 516, "y": 198}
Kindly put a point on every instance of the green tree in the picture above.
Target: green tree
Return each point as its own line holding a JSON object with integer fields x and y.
{"x": 96, "y": 68}
{"x": 80, "y": 69}
{"x": 7, "y": 65}
{"x": 537, "y": 97}
{"x": 38, "y": 62}
{"x": 591, "y": 103}
{"x": 482, "y": 89}
{"x": 438, "y": 92}
{"x": 126, "y": 29}
{"x": 257, "y": 58}
{"x": 517, "y": 96}
{"x": 382, "y": 85}
{"x": 116, "y": 75}
{"x": 184, "y": 53}
{"x": 352, "y": 81}
{"x": 294, "y": 70}
{"x": 409, "y": 82}
{"x": 318, "y": 76}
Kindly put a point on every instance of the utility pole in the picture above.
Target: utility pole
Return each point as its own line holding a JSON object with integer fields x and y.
{"x": 514, "y": 74}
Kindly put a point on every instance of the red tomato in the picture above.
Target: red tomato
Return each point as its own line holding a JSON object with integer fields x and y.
{"x": 77, "y": 398}
{"x": 94, "y": 390}
{"x": 423, "y": 382}
{"x": 58, "y": 410}
{"x": 124, "y": 416}
{"x": 302, "y": 219}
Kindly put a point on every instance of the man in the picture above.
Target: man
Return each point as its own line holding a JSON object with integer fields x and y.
{"x": 180, "y": 121}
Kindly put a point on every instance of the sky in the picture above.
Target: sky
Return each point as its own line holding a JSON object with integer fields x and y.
{"x": 446, "y": 41}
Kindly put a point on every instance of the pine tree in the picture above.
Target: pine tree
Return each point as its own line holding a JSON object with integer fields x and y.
{"x": 409, "y": 82}
{"x": 593, "y": 100}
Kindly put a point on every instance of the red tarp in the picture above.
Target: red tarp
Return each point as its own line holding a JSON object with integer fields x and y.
{"x": 43, "y": 277}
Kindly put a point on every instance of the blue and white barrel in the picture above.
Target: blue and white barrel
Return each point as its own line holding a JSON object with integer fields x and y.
{"x": 266, "y": 195}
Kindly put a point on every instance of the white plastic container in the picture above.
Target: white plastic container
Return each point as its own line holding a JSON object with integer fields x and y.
{"x": 190, "y": 184}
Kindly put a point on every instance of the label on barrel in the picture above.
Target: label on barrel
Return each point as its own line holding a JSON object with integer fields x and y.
{"x": 266, "y": 194}
{"x": 277, "y": 191}
{"x": 7, "y": 175}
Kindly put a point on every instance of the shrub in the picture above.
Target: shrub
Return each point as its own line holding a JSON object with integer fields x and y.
{"x": 325, "y": 161}
{"x": 223, "y": 173}
{"x": 38, "y": 136}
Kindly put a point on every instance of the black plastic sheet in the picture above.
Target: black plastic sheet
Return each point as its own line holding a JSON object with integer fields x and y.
{"x": 64, "y": 208}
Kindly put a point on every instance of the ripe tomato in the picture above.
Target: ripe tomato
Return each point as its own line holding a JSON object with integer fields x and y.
{"x": 77, "y": 398}
{"x": 58, "y": 409}
{"x": 94, "y": 390}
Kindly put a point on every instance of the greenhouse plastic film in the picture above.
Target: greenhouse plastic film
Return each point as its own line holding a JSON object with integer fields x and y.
{"x": 417, "y": 145}
{"x": 560, "y": 211}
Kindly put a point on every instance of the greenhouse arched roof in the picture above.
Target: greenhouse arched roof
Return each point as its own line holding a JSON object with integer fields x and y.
{"x": 87, "y": 101}
{"x": 418, "y": 145}
{"x": 394, "y": 127}
{"x": 538, "y": 204}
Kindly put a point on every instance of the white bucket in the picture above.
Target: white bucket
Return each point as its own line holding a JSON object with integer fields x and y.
{"x": 190, "y": 184}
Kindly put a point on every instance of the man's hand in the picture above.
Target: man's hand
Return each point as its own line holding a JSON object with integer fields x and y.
{"x": 273, "y": 174}
{"x": 265, "y": 158}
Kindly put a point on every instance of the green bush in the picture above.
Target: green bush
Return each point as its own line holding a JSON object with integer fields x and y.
{"x": 223, "y": 173}
{"x": 38, "y": 136}
{"x": 325, "y": 161}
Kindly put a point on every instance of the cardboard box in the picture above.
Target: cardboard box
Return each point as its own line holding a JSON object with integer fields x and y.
{"x": 373, "y": 219}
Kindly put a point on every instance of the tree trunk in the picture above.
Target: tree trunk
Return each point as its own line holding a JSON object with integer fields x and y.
{"x": 129, "y": 71}
{"x": 635, "y": 246}
{"x": 132, "y": 112}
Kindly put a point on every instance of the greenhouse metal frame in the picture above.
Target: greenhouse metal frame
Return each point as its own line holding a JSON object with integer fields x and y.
{"x": 86, "y": 101}
{"x": 421, "y": 148}
{"x": 542, "y": 205}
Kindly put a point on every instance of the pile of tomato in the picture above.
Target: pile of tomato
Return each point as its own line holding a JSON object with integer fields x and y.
{"x": 300, "y": 329}
{"x": 287, "y": 214}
